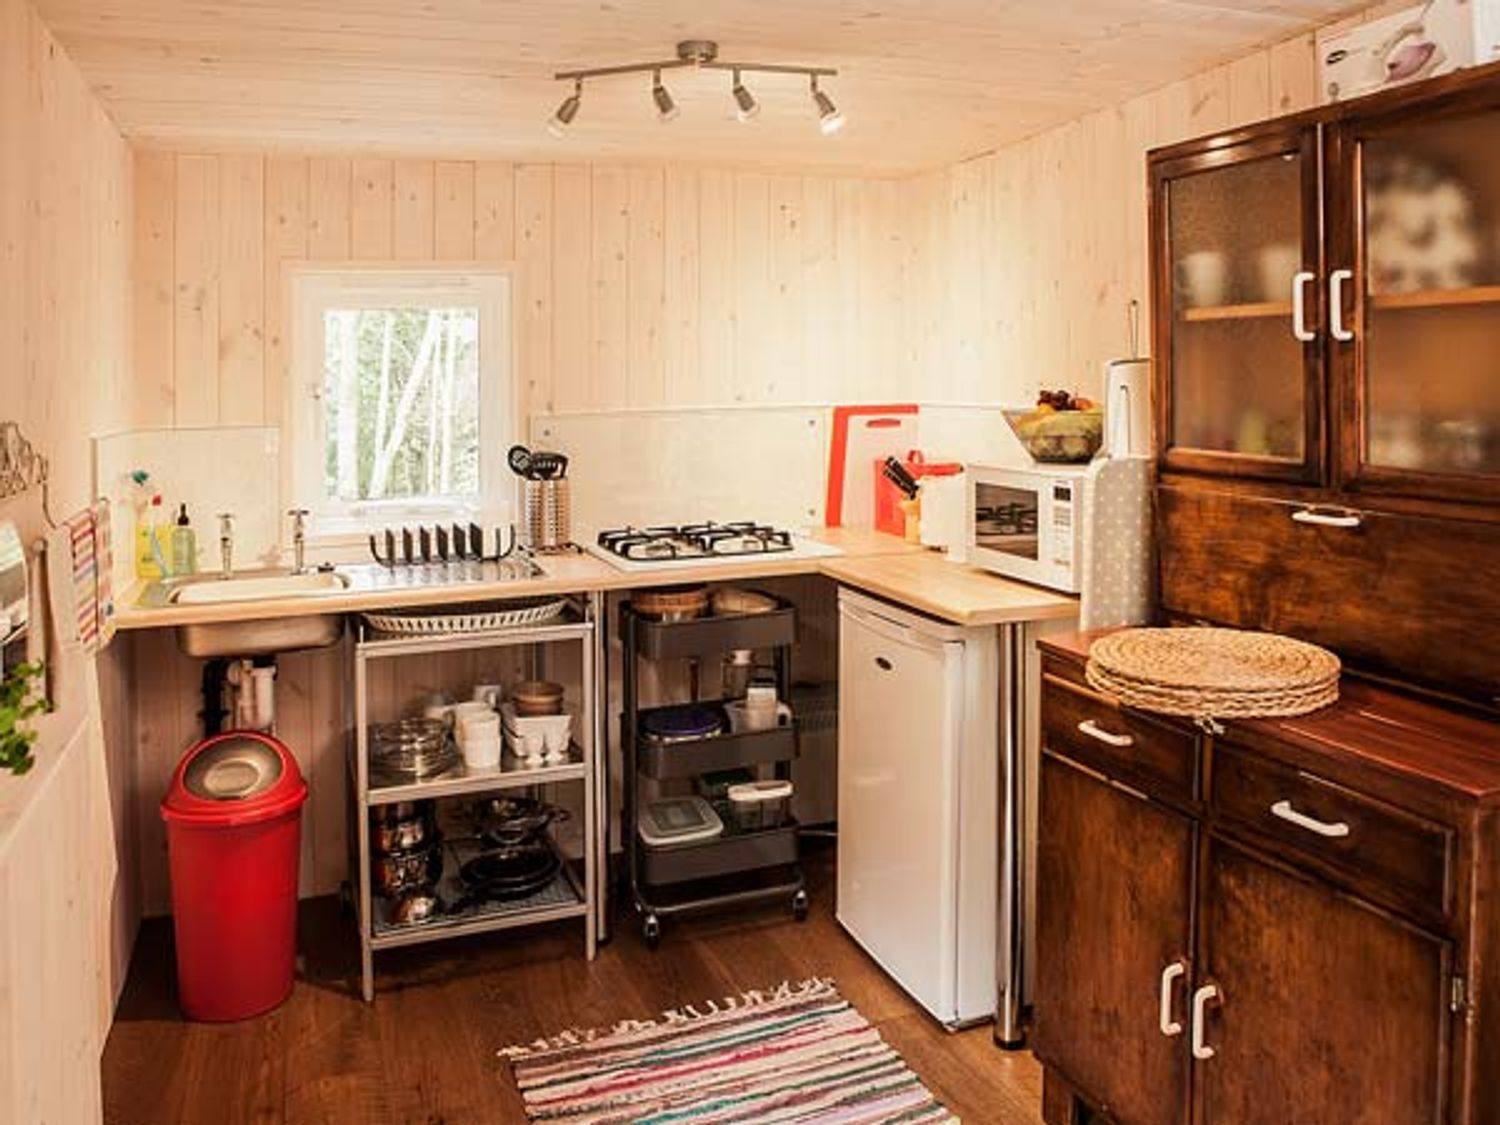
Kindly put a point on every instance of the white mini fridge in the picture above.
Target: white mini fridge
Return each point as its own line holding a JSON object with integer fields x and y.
{"x": 918, "y": 802}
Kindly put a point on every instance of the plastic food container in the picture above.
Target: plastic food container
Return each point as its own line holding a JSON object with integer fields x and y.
{"x": 678, "y": 820}
{"x": 759, "y": 804}
{"x": 714, "y": 787}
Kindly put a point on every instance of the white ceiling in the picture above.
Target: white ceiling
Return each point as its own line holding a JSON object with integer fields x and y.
{"x": 923, "y": 82}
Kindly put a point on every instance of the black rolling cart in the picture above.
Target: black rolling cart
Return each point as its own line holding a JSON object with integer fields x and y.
{"x": 737, "y": 867}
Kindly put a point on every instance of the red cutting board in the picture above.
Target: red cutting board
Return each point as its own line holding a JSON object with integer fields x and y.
{"x": 863, "y": 435}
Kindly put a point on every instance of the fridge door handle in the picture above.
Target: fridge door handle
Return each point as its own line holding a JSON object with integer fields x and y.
{"x": 1169, "y": 976}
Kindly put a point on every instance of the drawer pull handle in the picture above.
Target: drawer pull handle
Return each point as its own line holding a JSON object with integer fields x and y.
{"x": 1333, "y": 831}
{"x": 1328, "y": 519}
{"x": 1094, "y": 731}
{"x": 1169, "y": 975}
{"x": 1201, "y": 1049}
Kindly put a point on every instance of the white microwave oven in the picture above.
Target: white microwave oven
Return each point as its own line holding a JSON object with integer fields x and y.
{"x": 1028, "y": 523}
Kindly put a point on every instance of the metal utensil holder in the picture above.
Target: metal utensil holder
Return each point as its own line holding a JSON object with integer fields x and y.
{"x": 546, "y": 515}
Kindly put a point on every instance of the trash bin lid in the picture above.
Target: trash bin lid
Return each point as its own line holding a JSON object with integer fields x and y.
{"x": 237, "y": 777}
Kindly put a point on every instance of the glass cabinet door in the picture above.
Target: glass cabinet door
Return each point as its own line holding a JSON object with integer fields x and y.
{"x": 1416, "y": 206}
{"x": 1238, "y": 309}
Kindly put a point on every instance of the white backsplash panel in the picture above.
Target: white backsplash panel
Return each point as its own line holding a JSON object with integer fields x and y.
{"x": 680, "y": 466}
{"x": 216, "y": 469}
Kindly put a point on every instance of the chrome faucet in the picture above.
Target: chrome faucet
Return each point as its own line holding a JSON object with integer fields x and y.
{"x": 226, "y": 544}
{"x": 299, "y": 539}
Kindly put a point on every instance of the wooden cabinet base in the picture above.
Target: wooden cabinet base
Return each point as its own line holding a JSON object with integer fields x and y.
{"x": 1315, "y": 938}
{"x": 1061, "y": 1104}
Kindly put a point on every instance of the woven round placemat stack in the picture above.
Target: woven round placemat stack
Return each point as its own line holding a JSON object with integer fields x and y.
{"x": 1214, "y": 673}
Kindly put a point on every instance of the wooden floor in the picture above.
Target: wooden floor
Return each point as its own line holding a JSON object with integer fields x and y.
{"x": 424, "y": 1052}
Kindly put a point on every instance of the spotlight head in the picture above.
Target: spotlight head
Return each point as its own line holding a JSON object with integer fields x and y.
{"x": 558, "y": 125}
{"x": 666, "y": 108}
{"x": 830, "y": 120}
{"x": 746, "y": 106}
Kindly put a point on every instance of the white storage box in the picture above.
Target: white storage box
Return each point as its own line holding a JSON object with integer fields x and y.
{"x": 1420, "y": 42}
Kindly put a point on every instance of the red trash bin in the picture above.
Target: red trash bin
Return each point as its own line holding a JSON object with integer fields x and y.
{"x": 234, "y": 831}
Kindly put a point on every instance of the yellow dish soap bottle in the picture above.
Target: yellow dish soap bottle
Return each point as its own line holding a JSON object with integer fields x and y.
{"x": 150, "y": 558}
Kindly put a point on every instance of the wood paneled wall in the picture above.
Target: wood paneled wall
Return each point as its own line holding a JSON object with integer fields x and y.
{"x": 1029, "y": 257}
{"x": 638, "y": 286}
{"x": 65, "y": 190}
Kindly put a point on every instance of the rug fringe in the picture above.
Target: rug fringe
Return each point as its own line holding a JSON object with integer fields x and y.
{"x": 577, "y": 1037}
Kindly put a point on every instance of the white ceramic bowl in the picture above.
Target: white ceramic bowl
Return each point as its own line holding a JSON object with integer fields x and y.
{"x": 526, "y": 744}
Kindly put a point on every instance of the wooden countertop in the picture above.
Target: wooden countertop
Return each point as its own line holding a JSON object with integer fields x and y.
{"x": 872, "y": 561}
{"x": 965, "y": 595}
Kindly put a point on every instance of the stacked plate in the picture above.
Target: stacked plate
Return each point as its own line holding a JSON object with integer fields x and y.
{"x": 1214, "y": 673}
{"x": 410, "y": 750}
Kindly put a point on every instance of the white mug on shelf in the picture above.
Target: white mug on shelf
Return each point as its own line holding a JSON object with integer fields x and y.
{"x": 1203, "y": 278}
{"x": 1278, "y": 264}
{"x": 482, "y": 753}
{"x": 488, "y": 694}
{"x": 478, "y": 726}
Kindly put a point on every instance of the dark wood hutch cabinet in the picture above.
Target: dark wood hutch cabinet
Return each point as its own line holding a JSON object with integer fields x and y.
{"x": 1298, "y": 921}
{"x": 1326, "y": 326}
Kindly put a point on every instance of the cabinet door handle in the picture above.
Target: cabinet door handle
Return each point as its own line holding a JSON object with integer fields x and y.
{"x": 1099, "y": 734}
{"x": 1328, "y": 519}
{"x": 1299, "y": 307}
{"x": 1201, "y": 1050}
{"x": 1169, "y": 975}
{"x": 1334, "y": 830}
{"x": 1336, "y": 324}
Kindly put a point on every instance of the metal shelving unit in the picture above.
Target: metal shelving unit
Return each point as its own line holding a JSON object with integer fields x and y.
{"x": 574, "y": 893}
{"x": 737, "y": 867}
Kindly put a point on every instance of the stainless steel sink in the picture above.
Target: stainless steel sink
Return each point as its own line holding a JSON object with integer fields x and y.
{"x": 261, "y": 636}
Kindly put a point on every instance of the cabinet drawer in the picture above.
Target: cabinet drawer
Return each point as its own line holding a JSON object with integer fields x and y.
{"x": 1122, "y": 743}
{"x": 1390, "y": 854}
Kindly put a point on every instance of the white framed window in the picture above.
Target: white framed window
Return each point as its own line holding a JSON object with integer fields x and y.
{"x": 403, "y": 397}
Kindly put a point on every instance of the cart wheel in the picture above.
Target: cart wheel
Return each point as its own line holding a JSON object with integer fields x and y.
{"x": 799, "y": 906}
{"x": 651, "y": 931}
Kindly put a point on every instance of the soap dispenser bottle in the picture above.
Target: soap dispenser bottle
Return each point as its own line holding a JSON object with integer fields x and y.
{"x": 184, "y": 544}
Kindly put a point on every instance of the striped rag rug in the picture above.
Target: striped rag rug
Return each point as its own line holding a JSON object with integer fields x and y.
{"x": 796, "y": 1053}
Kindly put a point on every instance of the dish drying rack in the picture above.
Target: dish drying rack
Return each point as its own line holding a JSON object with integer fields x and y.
{"x": 442, "y": 543}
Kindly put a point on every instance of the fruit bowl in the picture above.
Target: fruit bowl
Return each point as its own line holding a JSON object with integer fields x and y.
{"x": 1059, "y": 437}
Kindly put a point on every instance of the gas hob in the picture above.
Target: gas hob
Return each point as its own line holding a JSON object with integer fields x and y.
{"x": 710, "y": 543}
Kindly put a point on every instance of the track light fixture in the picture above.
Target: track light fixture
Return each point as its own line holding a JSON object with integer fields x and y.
{"x": 745, "y": 104}
{"x": 666, "y": 108}
{"x": 704, "y": 55}
{"x": 568, "y": 110}
{"x": 830, "y": 120}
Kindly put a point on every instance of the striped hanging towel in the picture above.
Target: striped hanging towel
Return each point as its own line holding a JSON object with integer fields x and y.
{"x": 81, "y": 532}
{"x": 104, "y": 564}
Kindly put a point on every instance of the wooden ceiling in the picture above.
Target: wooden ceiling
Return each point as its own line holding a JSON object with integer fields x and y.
{"x": 923, "y": 82}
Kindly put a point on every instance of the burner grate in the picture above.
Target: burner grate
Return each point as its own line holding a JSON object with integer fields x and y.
{"x": 702, "y": 540}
